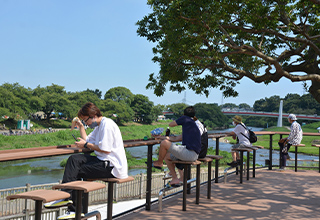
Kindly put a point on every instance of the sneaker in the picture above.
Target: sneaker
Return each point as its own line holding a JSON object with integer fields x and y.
{"x": 233, "y": 164}
{"x": 282, "y": 169}
{"x": 57, "y": 203}
{"x": 168, "y": 175}
{"x": 69, "y": 215}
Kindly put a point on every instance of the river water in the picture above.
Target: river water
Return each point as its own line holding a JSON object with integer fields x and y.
{"x": 52, "y": 172}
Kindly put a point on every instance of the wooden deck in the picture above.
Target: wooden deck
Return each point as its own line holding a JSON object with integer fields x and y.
{"x": 271, "y": 195}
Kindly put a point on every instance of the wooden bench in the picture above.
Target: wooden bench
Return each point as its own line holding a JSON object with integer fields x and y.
{"x": 318, "y": 146}
{"x": 241, "y": 150}
{"x": 111, "y": 182}
{"x": 187, "y": 166}
{"x": 208, "y": 159}
{"x": 40, "y": 196}
{"x": 80, "y": 187}
{"x": 254, "y": 148}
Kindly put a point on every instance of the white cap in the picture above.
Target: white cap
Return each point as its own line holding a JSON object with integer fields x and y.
{"x": 292, "y": 117}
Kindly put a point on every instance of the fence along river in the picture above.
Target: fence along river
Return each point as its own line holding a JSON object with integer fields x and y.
{"x": 52, "y": 172}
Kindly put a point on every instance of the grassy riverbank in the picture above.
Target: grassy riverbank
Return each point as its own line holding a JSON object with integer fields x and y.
{"x": 64, "y": 137}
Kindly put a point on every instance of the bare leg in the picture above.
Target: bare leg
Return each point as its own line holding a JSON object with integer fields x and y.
{"x": 234, "y": 156}
{"x": 171, "y": 167}
{"x": 164, "y": 147}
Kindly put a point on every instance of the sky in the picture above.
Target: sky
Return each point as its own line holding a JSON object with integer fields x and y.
{"x": 94, "y": 45}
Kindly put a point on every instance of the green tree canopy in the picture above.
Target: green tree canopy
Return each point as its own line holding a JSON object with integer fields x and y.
{"x": 142, "y": 108}
{"x": 210, "y": 115}
{"x": 177, "y": 108}
{"x": 119, "y": 94}
{"x": 214, "y": 44}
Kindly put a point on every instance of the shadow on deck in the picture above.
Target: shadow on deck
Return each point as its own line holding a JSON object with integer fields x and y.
{"x": 271, "y": 195}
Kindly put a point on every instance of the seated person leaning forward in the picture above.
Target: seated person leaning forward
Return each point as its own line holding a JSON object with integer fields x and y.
{"x": 242, "y": 135}
{"x": 188, "y": 151}
{"x": 106, "y": 141}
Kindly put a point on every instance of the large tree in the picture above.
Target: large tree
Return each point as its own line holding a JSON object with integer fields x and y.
{"x": 214, "y": 44}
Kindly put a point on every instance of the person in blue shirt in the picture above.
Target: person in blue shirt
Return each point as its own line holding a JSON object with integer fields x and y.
{"x": 188, "y": 151}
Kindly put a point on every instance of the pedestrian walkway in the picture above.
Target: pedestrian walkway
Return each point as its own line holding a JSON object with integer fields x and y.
{"x": 271, "y": 195}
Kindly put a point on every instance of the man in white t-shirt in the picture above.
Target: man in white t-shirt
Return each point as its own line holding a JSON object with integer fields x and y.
{"x": 106, "y": 142}
{"x": 241, "y": 134}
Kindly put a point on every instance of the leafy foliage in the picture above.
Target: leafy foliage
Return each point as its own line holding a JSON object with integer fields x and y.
{"x": 214, "y": 44}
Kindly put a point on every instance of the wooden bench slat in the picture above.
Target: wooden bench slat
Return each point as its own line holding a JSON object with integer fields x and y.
{"x": 117, "y": 180}
{"x": 197, "y": 162}
{"x": 41, "y": 195}
{"x": 205, "y": 159}
{"x": 215, "y": 157}
{"x": 86, "y": 186}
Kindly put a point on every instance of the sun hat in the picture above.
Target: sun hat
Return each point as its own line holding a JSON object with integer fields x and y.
{"x": 292, "y": 117}
{"x": 237, "y": 119}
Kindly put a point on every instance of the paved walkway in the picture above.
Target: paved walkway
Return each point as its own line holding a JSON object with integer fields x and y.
{"x": 271, "y": 195}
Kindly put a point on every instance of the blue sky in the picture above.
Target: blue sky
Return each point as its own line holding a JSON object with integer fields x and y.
{"x": 94, "y": 44}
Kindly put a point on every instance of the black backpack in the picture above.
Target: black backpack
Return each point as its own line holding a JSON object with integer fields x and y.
{"x": 252, "y": 136}
{"x": 204, "y": 143}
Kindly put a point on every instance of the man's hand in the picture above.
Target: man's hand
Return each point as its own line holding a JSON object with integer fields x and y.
{"x": 80, "y": 143}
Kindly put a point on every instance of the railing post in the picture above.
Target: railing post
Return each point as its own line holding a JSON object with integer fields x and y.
{"x": 26, "y": 207}
{"x": 116, "y": 196}
{"x": 141, "y": 185}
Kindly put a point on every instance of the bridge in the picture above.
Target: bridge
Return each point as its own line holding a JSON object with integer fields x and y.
{"x": 268, "y": 114}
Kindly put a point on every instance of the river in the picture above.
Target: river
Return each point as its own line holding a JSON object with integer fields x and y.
{"x": 52, "y": 172}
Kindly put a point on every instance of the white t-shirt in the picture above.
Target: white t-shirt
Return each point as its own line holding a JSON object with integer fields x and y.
{"x": 108, "y": 137}
{"x": 242, "y": 139}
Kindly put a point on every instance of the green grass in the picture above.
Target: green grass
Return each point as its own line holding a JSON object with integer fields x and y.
{"x": 64, "y": 137}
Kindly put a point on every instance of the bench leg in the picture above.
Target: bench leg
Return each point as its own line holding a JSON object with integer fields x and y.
{"x": 241, "y": 165}
{"x": 38, "y": 210}
{"x": 216, "y": 171}
{"x": 248, "y": 164}
{"x": 209, "y": 179}
{"x": 189, "y": 177}
{"x": 198, "y": 185}
{"x": 85, "y": 202}
{"x": 110, "y": 200}
{"x": 79, "y": 204}
{"x": 296, "y": 159}
{"x": 254, "y": 164}
{"x": 184, "y": 202}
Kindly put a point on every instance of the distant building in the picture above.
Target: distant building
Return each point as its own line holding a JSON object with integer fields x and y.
{"x": 169, "y": 114}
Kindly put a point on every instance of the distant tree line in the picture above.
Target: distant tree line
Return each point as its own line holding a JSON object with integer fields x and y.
{"x": 120, "y": 104}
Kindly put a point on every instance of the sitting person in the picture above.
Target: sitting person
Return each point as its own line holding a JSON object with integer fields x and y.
{"x": 188, "y": 151}
{"x": 106, "y": 141}
{"x": 294, "y": 138}
{"x": 204, "y": 147}
{"x": 241, "y": 134}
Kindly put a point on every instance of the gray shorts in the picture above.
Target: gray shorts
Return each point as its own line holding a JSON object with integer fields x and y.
{"x": 236, "y": 146}
{"x": 180, "y": 152}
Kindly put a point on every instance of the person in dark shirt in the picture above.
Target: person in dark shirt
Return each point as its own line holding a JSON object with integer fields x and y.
{"x": 188, "y": 151}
